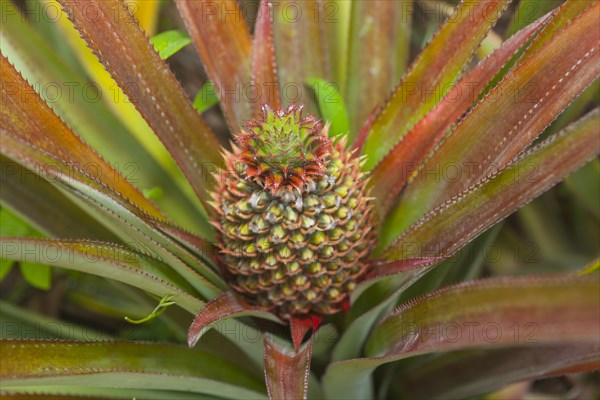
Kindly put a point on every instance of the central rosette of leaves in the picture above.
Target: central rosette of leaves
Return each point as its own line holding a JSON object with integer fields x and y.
{"x": 293, "y": 215}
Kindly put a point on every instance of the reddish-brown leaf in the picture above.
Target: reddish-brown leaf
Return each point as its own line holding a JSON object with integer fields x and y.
{"x": 33, "y": 136}
{"x": 568, "y": 11}
{"x": 559, "y": 310}
{"x": 264, "y": 66}
{"x": 430, "y": 77}
{"x": 27, "y": 119}
{"x": 49, "y": 365}
{"x": 391, "y": 174}
{"x": 221, "y": 37}
{"x": 529, "y": 98}
{"x": 286, "y": 372}
{"x": 299, "y": 327}
{"x": 452, "y": 225}
{"x": 495, "y": 313}
{"x": 386, "y": 268}
{"x": 469, "y": 374}
{"x": 226, "y": 305}
{"x": 121, "y": 45}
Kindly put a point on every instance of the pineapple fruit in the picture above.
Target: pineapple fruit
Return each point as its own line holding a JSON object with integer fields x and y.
{"x": 294, "y": 215}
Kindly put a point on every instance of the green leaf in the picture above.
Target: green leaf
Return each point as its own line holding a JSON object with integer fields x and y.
{"x": 221, "y": 37}
{"x": 331, "y": 105}
{"x": 31, "y": 364}
{"x": 11, "y": 225}
{"x": 5, "y": 267}
{"x": 431, "y": 75}
{"x": 170, "y": 42}
{"x": 584, "y": 184}
{"x": 37, "y": 275}
{"x": 489, "y": 314}
{"x": 206, "y": 98}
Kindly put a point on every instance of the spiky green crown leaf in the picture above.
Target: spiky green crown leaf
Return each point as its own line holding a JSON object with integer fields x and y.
{"x": 283, "y": 150}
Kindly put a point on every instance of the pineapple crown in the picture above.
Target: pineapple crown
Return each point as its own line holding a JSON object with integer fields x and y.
{"x": 283, "y": 150}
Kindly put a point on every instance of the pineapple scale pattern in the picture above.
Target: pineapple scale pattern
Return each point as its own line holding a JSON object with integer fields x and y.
{"x": 295, "y": 252}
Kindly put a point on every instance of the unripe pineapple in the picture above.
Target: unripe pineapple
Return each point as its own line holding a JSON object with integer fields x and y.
{"x": 294, "y": 216}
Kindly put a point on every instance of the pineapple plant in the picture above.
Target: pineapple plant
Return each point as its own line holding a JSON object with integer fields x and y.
{"x": 314, "y": 228}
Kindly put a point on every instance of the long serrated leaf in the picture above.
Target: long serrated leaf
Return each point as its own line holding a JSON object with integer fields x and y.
{"x": 527, "y": 11}
{"x": 221, "y": 37}
{"x": 472, "y": 373}
{"x": 458, "y": 221}
{"x": 301, "y": 48}
{"x": 102, "y": 259}
{"x": 391, "y": 174}
{"x": 25, "y": 116}
{"x": 557, "y": 310}
{"x": 66, "y": 40}
{"x": 379, "y": 45}
{"x": 484, "y": 314}
{"x": 119, "y": 215}
{"x": 406, "y": 272}
{"x": 126, "y": 220}
{"x": 226, "y": 305}
{"x": 44, "y": 206}
{"x": 265, "y": 83}
{"x": 431, "y": 76}
{"x": 33, "y": 325}
{"x": 130, "y": 224}
{"x": 127, "y": 54}
{"x": 125, "y": 365}
{"x": 528, "y": 99}
{"x": 74, "y": 392}
{"x": 286, "y": 371}
{"x": 567, "y": 12}
{"x": 70, "y": 95}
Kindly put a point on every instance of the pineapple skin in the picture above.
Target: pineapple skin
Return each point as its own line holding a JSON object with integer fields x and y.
{"x": 295, "y": 251}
